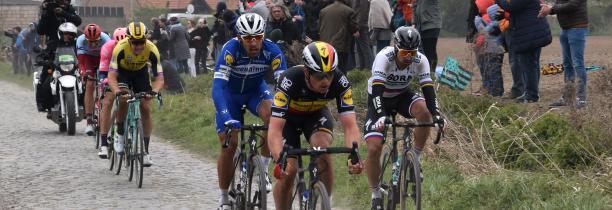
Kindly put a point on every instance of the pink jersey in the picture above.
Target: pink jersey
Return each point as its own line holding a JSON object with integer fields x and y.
{"x": 106, "y": 53}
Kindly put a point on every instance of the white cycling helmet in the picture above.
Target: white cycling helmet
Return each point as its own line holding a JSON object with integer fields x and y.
{"x": 66, "y": 27}
{"x": 250, "y": 24}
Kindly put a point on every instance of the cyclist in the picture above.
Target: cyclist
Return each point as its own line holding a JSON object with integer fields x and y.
{"x": 129, "y": 66}
{"x": 108, "y": 98}
{"x": 88, "y": 46}
{"x": 300, "y": 108}
{"x": 389, "y": 89}
{"x": 239, "y": 80}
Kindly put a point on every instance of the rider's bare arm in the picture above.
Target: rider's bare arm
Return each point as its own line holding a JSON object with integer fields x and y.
{"x": 275, "y": 136}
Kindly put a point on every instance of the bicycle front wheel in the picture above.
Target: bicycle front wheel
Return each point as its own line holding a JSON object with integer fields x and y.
{"x": 390, "y": 194}
{"x": 319, "y": 200}
{"x": 237, "y": 186}
{"x": 138, "y": 150}
{"x": 256, "y": 189}
{"x": 410, "y": 182}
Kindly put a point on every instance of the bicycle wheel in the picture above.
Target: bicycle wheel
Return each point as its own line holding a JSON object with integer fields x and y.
{"x": 298, "y": 191}
{"x": 390, "y": 196}
{"x": 410, "y": 183}
{"x": 138, "y": 150}
{"x": 237, "y": 189}
{"x": 96, "y": 116}
{"x": 319, "y": 198}
{"x": 128, "y": 148}
{"x": 256, "y": 189}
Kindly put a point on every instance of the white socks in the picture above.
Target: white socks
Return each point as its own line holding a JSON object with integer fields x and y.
{"x": 224, "y": 196}
{"x": 376, "y": 192}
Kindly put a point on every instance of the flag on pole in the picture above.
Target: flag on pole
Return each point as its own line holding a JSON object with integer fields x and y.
{"x": 454, "y": 75}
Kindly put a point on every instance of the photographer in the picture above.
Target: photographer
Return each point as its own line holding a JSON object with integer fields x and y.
{"x": 54, "y": 13}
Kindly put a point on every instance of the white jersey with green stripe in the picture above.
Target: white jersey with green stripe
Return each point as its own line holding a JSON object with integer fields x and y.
{"x": 385, "y": 71}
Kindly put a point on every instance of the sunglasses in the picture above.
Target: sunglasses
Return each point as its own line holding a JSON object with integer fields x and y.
{"x": 257, "y": 37}
{"x": 406, "y": 53}
{"x": 322, "y": 75}
{"x": 138, "y": 42}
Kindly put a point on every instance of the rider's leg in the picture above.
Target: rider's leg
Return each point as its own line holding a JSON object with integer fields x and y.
{"x": 89, "y": 104}
{"x": 419, "y": 111}
{"x": 264, "y": 113}
{"x": 147, "y": 122}
{"x": 121, "y": 113}
{"x": 323, "y": 139}
{"x": 105, "y": 116}
{"x": 225, "y": 168}
{"x": 282, "y": 188}
{"x": 373, "y": 163}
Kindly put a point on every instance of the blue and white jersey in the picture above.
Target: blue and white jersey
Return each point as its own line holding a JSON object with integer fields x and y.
{"x": 245, "y": 74}
{"x": 83, "y": 46}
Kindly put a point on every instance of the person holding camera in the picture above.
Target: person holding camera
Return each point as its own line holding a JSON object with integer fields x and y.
{"x": 53, "y": 14}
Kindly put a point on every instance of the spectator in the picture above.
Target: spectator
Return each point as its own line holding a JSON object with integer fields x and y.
{"x": 260, "y": 8}
{"x": 13, "y": 33}
{"x": 298, "y": 16}
{"x": 472, "y": 32}
{"x": 312, "y": 9}
{"x": 379, "y": 23}
{"x": 427, "y": 20}
{"x": 489, "y": 51}
{"x": 200, "y": 37}
{"x": 363, "y": 46}
{"x": 280, "y": 21}
{"x": 30, "y": 41}
{"x": 574, "y": 22}
{"x": 160, "y": 37}
{"x": 179, "y": 49}
{"x": 337, "y": 26}
{"x": 220, "y": 36}
{"x": 527, "y": 37}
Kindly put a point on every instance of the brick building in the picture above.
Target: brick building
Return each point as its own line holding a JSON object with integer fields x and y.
{"x": 18, "y": 13}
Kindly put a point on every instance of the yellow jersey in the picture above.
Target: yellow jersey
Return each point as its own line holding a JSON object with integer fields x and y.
{"x": 124, "y": 58}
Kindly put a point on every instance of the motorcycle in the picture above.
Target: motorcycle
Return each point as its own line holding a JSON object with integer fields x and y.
{"x": 66, "y": 88}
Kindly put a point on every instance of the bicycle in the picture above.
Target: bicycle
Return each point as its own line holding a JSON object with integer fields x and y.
{"x": 134, "y": 137}
{"x": 248, "y": 165}
{"x": 314, "y": 195}
{"x": 405, "y": 177}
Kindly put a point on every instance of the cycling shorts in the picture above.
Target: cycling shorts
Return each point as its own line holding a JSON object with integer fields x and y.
{"x": 298, "y": 124}
{"x": 138, "y": 81}
{"x": 401, "y": 104}
{"x": 235, "y": 101}
{"x": 88, "y": 65}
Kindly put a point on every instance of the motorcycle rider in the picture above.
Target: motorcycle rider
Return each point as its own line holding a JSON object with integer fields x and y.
{"x": 66, "y": 37}
{"x": 53, "y": 14}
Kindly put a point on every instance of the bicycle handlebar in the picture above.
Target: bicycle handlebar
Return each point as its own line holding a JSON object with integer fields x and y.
{"x": 439, "y": 134}
{"x": 314, "y": 151}
{"x": 252, "y": 127}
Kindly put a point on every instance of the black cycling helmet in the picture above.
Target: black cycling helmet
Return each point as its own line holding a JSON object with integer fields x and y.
{"x": 407, "y": 38}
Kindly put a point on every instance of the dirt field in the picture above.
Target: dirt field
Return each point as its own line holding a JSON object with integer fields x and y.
{"x": 597, "y": 53}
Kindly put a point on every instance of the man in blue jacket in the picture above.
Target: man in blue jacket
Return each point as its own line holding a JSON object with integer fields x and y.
{"x": 528, "y": 34}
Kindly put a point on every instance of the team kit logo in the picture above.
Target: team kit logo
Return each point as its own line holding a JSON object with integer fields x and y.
{"x": 229, "y": 59}
{"x": 280, "y": 99}
{"x": 276, "y": 63}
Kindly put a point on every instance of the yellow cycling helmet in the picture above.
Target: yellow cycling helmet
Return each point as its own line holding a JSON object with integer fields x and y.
{"x": 136, "y": 30}
{"x": 320, "y": 57}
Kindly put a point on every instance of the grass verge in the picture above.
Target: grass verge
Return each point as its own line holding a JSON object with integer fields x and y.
{"x": 494, "y": 156}
{"x": 483, "y": 180}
